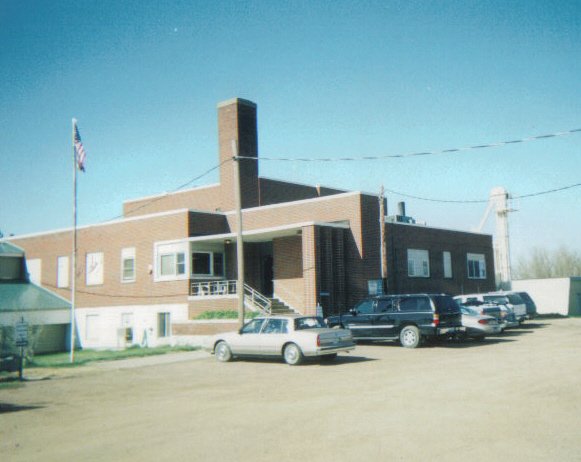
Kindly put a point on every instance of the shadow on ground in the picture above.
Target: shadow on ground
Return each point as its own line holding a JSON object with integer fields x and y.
{"x": 6, "y": 407}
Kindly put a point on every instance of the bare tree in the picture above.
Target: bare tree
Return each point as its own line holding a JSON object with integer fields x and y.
{"x": 542, "y": 263}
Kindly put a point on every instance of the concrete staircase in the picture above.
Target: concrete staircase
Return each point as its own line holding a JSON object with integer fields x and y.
{"x": 279, "y": 307}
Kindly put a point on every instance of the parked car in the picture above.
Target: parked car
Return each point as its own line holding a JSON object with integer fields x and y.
{"x": 477, "y": 325}
{"x": 514, "y": 305}
{"x": 290, "y": 337}
{"x": 407, "y": 318}
{"x": 530, "y": 304}
{"x": 504, "y": 315}
{"x": 9, "y": 362}
{"x": 511, "y": 300}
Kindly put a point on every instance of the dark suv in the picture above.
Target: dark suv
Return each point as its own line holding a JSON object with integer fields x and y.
{"x": 408, "y": 318}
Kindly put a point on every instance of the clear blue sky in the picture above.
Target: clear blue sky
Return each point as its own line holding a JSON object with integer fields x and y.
{"x": 331, "y": 79}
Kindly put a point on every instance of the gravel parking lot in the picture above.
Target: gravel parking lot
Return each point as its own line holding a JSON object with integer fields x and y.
{"x": 515, "y": 397}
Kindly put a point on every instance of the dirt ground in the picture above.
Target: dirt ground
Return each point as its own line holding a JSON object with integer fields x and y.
{"x": 512, "y": 397}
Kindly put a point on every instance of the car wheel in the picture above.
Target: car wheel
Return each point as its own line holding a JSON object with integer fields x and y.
{"x": 223, "y": 352}
{"x": 293, "y": 354}
{"x": 328, "y": 358}
{"x": 409, "y": 337}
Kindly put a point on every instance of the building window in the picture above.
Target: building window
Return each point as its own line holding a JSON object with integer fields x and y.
{"x": 163, "y": 325}
{"x": 127, "y": 326}
{"x": 92, "y": 327}
{"x": 418, "y": 263}
{"x": 172, "y": 264}
{"x": 94, "y": 269}
{"x": 34, "y": 268}
{"x": 447, "y": 258}
{"x": 202, "y": 263}
{"x": 128, "y": 264}
{"x": 207, "y": 264}
{"x": 171, "y": 261}
{"x": 476, "y": 266}
{"x": 62, "y": 272}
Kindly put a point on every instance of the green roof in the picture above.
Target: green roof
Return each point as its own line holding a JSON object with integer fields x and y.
{"x": 10, "y": 250}
{"x": 24, "y": 296}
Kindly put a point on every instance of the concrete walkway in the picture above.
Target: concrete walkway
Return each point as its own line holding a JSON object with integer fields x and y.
{"x": 153, "y": 360}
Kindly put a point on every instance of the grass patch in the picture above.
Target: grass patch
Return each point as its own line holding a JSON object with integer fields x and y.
{"x": 225, "y": 314}
{"x": 86, "y": 356}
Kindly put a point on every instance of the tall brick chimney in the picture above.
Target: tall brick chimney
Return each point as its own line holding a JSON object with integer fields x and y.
{"x": 237, "y": 121}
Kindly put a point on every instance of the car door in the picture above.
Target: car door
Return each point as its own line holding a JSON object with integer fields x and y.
{"x": 273, "y": 336}
{"x": 360, "y": 319}
{"x": 247, "y": 342}
{"x": 384, "y": 319}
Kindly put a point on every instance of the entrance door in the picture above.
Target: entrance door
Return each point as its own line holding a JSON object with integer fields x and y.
{"x": 267, "y": 275}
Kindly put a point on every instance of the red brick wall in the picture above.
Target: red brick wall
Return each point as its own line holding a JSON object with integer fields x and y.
{"x": 200, "y": 305}
{"x": 276, "y": 192}
{"x": 110, "y": 239}
{"x": 288, "y": 270}
{"x": 237, "y": 121}
{"x": 207, "y": 198}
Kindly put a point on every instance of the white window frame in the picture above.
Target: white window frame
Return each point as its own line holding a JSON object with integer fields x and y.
{"x": 418, "y": 263}
{"x": 447, "y": 262}
{"x": 471, "y": 269}
{"x": 179, "y": 264}
{"x": 63, "y": 271}
{"x": 128, "y": 254}
{"x": 94, "y": 269}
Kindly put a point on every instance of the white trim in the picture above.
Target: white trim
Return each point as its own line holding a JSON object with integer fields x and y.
{"x": 164, "y": 194}
{"x": 106, "y": 223}
{"x": 255, "y": 232}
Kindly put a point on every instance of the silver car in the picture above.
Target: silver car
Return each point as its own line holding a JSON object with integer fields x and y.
{"x": 290, "y": 337}
{"x": 478, "y": 325}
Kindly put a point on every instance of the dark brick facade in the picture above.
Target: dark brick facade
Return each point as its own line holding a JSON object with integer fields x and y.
{"x": 401, "y": 237}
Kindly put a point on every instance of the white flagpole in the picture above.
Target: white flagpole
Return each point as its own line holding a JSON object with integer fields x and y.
{"x": 74, "y": 263}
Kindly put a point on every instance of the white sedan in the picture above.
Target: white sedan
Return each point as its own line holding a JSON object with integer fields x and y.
{"x": 290, "y": 337}
{"x": 477, "y": 325}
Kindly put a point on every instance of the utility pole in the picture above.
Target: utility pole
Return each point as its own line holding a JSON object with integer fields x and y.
{"x": 239, "y": 242}
{"x": 382, "y": 239}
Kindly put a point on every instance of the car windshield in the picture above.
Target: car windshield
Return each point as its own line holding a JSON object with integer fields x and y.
{"x": 496, "y": 299}
{"x": 311, "y": 322}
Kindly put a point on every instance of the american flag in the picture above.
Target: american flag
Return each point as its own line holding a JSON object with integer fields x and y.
{"x": 79, "y": 149}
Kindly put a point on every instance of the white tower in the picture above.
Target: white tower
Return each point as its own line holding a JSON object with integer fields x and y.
{"x": 498, "y": 201}
{"x": 500, "y": 197}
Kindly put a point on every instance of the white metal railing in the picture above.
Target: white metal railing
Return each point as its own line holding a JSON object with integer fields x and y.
{"x": 256, "y": 300}
{"x": 212, "y": 288}
{"x": 253, "y": 299}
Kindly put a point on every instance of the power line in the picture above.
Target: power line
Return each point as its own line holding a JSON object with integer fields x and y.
{"x": 350, "y": 159}
{"x": 480, "y": 201}
{"x": 193, "y": 180}
{"x": 416, "y": 154}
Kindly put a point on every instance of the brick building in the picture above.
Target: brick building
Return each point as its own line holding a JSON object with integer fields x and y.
{"x": 143, "y": 278}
